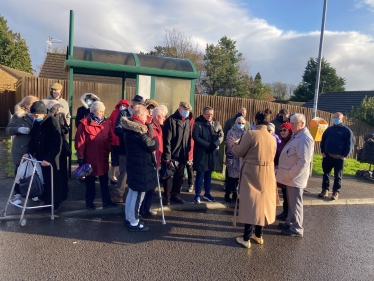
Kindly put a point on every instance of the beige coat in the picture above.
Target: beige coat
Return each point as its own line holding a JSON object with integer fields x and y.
{"x": 257, "y": 185}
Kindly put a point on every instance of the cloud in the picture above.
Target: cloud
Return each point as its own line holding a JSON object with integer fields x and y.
{"x": 134, "y": 26}
{"x": 365, "y": 3}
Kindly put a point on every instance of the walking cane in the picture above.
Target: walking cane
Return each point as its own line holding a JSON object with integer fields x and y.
{"x": 159, "y": 194}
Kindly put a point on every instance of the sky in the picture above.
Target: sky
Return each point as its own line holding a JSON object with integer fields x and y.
{"x": 276, "y": 37}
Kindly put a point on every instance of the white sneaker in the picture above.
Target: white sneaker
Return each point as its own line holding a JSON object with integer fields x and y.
{"x": 35, "y": 199}
{"x": 16, "y": 199}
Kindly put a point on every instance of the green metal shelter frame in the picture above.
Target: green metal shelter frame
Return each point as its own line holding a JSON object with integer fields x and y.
{"x": 92, "y": 61}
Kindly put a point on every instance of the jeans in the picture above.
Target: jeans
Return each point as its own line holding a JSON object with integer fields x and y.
{"x": 91, "y": 191}
{"x": 200, "y": 176}
{"x": 248, "y": 229}
{"x": 329, "y": 163}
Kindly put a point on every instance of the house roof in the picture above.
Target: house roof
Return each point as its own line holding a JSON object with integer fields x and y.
{"x": 15, "y": 72}
{"x": 340, "y": 101}
{"x": 54, "y": 68}
{"x": 268, "y": 97}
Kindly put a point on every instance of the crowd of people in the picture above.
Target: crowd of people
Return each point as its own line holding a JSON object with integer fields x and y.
{"x": 140, "y": 139}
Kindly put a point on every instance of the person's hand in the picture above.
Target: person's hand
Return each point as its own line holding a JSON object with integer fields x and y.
{"x": 23, "y": 130}
{"x": 212, "y": 147}
{"x": 45, "y": 163}
{"x": 80, "y": 161}
{"x": 343, "y": 158}
{"x": 323, "y": 155}
{"x": 231, "y": 141}
{"x": 26, "y": 155}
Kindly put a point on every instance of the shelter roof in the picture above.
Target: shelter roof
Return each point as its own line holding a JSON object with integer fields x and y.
{"x": 340, "y": 101}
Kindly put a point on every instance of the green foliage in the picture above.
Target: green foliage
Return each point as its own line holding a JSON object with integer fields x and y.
{"x": 333, "y": 83}
{"x": 218, "y": 176}
{"x": 365, "y": 112}
{"x": 14, "y": 52}
{"x": 6, "y": 161}
{"x": 223, "y": 75}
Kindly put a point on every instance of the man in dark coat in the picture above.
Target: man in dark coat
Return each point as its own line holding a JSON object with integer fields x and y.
{"x": 282, "y": 117}
{"x": 177, "y": 143}
{"x": 45, "y": 145}
{"x": 207, "y": 135}
{"x": 140, "y": 166}
{"x": 337, "y": 143}
{"x": 120, "y": 133}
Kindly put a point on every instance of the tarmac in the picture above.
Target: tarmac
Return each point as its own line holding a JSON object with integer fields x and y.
{"x": 354, "y": 191}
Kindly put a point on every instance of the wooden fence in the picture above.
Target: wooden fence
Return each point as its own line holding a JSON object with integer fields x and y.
{"x": 226, "y": 108}
{"x": 7, "y": 102}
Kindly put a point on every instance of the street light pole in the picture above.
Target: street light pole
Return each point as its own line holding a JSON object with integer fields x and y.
{"x": 319, "y": 61}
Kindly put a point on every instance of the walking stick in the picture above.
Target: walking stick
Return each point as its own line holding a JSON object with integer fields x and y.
{"x": 159, "y": 194}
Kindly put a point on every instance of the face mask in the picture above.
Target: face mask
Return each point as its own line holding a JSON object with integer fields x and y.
{"x": 89, "y": 102}
{"x": 39, "y": 119}
{"x": 336, "y": 121}
{"x": 240, "y": 126}
{"x": 122, "y": 108}
{"x": 54, "y": 94}
{"x": 185, "y": 113}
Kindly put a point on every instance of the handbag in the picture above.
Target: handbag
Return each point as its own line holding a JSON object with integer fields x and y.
{"x": 36, "y": 188}
{"x": 82, "y": 171}
{"x": 168, "y": 170}
{"x": 66, "y": 146}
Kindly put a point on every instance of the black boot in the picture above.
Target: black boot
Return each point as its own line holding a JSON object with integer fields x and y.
{"x": 282, "y": 216}
{"x": 227, "y": 198}
{"x": 234, "y": 196}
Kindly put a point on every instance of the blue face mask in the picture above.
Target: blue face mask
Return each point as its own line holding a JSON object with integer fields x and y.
{"x": 39, "y": 119}
{"x": 122, "y": 108}
{"x": 89, "y": 102}
{"x": 240, "y": 126}
{"x": 336, "y": 121}
{"x": 185, "y": 113}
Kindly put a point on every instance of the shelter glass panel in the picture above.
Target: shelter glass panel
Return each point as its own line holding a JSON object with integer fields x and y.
{"x": 171, "y": 91}
{"x": 164, "y": 63}
{"x": 105, "y": 56}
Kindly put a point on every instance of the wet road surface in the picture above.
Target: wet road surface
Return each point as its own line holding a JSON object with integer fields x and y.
{"x": 338, "y": 244}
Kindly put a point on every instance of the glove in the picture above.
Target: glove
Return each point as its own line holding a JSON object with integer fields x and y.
{"x": 211, "y": 148}
{"x": 23, "y": 130}
{"x": 80, "y": 161}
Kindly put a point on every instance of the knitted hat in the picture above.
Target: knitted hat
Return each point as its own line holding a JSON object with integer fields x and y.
{"x": 38, "y": 107}
{"x": 271, "y": 127}
{"x": 139, "y": 99}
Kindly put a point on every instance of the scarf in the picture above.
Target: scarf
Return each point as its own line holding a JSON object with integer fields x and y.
{"x": 96, "y": 119}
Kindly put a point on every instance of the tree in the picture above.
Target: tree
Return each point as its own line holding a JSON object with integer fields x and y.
{"x": 365, "y": 112}
{"x": 223, "y": 74}
{"x": 14, "y": 52}
{"x": 333, "y": 83}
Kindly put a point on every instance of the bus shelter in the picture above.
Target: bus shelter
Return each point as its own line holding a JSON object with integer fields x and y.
{"x": 167, "y": 80}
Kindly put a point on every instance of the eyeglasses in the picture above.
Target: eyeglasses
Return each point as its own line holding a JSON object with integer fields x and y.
{"x": 284, "y": 130}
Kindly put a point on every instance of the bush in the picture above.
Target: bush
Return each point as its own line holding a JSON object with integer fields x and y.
{"x": 6, "y": 161}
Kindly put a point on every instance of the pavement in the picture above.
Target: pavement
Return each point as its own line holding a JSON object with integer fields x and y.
{"x": 354, "y": 191}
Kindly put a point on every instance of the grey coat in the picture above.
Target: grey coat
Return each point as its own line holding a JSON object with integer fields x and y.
{"x": 294, "y": 160}
{"x": 20, "y": 141}
{"x": 64, "y": 109}
{"x": 202, "y": 137}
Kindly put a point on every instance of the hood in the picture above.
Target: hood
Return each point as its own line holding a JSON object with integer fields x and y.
{"x": 83, "y": 99}
{"x": 19, "y": 111}
{"x": 125, "y": 102}
{"x": 130, "y": 125}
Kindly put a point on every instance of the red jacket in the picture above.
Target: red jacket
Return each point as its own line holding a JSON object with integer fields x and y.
{"x": 92, "y": 142}
{"x": 157, "y": 134}
{"x": 113, "y": 118}
{"x": 192, "y": 122}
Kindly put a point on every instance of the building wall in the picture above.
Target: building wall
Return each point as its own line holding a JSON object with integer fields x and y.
{"x": 7, "y": 81}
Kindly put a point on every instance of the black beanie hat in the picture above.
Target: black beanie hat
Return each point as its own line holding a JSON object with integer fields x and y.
{"x": 38, "y": 107}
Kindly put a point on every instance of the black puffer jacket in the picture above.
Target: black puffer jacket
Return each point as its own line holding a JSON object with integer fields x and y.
{"x": 177, "y": 138}
{"x": 119, "y": 132}
{"x": 140, "y": 161}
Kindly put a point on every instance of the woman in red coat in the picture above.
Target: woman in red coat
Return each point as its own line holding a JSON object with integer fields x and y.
{"x": 92, "y": 142}
{"x": 121, "y": 105}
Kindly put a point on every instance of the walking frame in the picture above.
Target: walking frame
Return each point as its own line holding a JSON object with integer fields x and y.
{"x": 22, "y": 220}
